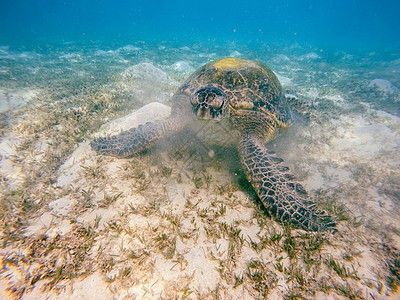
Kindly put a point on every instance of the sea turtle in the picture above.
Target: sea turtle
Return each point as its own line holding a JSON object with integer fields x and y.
{"x": 248, "y": 99}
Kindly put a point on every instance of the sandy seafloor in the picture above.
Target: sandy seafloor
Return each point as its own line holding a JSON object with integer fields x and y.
{"x": 174, "y": 222}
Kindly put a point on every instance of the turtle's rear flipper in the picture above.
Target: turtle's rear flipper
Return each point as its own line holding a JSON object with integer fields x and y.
{"x": 286, "y": 199}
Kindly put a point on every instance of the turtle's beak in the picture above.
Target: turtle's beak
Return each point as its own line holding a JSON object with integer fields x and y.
{"x": 203, "y": 112}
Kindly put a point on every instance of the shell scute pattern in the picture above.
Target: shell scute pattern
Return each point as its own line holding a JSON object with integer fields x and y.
{"x": 250, "y": 86}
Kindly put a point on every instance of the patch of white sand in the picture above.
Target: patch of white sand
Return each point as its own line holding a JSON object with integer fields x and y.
{"x": 72, "y": 166}
{"x": 71, "y": 57}
{"x": 102, "y": 52}
{"x": 69, "y": 171}
{"x": 39, "y": 226}
{"x": 383, "y": 85}
{"x": 208, "y": 55}
{"x": 204, "y": 269}
{"x": 148, "y": 113}
{"x": 91, "y": 287}
{"x": 309, "y": 56}
{"x": 129, "y": 49}
{"x": 59, "y": 228}
{"x": 146, "y": 83}
{"x": 62, "y": 206}
{"x": 16, "y": 98}
{"x": 357, "y": 138}
{"x": 336, "y": 98}
{"x": 282, "y": 57}
{"x": 145, "y": 72}
{"x": 285, "y": 81}
{"x": 235, "y": 54}
{"x": 183, "y": 67}
{"x": 10, "y": 172}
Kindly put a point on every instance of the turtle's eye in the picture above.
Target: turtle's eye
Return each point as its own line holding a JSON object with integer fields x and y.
{"x": 217, "y": 102}
{"x": 194, "y": 100}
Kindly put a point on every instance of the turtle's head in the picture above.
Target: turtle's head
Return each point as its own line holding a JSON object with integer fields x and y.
{"x": 209, "y": 103}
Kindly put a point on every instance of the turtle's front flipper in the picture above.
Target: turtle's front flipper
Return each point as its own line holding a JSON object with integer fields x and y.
{"x": 277, "y": 188}
{"x": 144, "y": 136}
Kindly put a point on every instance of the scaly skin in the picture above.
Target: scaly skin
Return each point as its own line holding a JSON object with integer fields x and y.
{"x": 280, "y": 193}
{"x": 144, "y": 136}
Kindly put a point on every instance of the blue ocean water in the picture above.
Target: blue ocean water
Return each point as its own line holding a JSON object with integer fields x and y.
{"x": 348, "y": 24}
{"x": 181, "y": 220}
